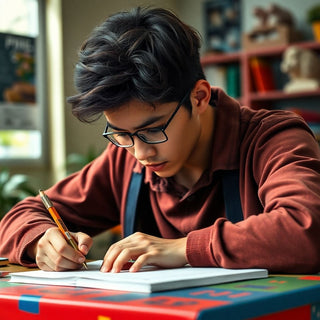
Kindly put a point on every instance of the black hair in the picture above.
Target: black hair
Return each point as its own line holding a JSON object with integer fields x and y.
{"x": 146, "y": 54}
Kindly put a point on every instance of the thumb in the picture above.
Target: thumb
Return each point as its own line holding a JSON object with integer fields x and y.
{"x": 84, "y": 242}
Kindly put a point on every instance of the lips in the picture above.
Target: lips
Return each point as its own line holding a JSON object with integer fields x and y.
{"x": 156, "y": 166}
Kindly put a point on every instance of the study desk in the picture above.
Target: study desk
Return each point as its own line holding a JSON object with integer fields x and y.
{"x": 279, "y": 297}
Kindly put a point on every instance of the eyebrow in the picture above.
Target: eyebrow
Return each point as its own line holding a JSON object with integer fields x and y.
{"x": 141, "y": 126}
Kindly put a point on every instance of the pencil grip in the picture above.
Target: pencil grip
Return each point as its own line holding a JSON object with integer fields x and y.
{"x": 63, "y": 228}
{"x": 71, "y": 241}
{"x": 68, "y": 236}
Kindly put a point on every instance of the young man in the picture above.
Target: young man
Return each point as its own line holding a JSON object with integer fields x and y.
{"x": 141, "y": 69}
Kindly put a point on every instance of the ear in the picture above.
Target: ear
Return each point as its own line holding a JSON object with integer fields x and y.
{"x": 200, "y": 95}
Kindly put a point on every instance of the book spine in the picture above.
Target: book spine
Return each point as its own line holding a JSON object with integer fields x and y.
{"x": 262, "y": 75}
{"x": 233, "y": 80}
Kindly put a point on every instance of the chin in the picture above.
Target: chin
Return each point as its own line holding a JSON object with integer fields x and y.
{"x": 162, "y": 174}
{"x": 165, "y": 173}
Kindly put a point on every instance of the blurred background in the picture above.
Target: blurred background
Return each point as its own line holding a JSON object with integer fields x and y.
{"x": 41, "y": 142}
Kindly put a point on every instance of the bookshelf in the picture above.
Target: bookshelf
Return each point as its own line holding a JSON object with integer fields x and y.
{"x": 249, "y": 95}
{"x": 280, "y": 95}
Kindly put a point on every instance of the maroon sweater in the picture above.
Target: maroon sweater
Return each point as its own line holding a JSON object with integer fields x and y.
{"x": 279, "y": 165}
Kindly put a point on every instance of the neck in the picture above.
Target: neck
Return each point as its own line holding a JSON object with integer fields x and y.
{"x": 200, "y": 157}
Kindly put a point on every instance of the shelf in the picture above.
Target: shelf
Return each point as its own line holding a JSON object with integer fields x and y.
{"x": 281, "y": 95}
{"x": 273, "y": 55}
{"x": 278, "y": 50}
{"x": 219, "y": 58}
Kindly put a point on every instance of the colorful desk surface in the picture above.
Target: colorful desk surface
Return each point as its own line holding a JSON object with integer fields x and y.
{"x": 277, "y": 297}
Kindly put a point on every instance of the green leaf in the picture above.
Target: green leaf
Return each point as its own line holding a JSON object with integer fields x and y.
{"x": 13, "y": 188}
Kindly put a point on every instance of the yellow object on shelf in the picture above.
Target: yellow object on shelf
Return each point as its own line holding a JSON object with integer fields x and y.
{"x": 316, "y": 30}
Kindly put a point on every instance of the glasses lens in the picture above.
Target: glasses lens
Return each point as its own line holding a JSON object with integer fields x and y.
{"x": 121, "y": 139}
{"x": 152, "y": 135}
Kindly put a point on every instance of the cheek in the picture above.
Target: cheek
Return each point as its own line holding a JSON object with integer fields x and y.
{"x": 183, "y": 140}
{"x": 130, "y": 150}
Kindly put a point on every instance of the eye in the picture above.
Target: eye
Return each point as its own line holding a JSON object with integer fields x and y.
{"x": 121, "y": 134}
{"x": 152, "y": 130}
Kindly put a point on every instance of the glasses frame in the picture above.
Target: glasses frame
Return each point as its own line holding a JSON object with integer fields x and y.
{"x": 141, "y": 137}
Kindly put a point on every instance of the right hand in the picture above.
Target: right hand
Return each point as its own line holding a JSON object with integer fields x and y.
{"x": 53, "y": 253}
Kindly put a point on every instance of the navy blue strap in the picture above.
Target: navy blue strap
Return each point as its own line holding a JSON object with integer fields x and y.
{"x": 232, "y": 201}
{"x": 132, "y": 202}
{"x": 230, "y": 191}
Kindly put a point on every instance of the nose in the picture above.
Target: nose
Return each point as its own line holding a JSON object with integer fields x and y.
{"x": 143, "y": 150}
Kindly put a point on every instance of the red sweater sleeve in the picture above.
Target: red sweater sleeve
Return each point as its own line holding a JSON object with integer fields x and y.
{"x": 280, "y": 176}
{"x": 87, "y": 201}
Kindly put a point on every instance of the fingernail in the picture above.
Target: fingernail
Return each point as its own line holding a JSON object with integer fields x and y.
{"x": 84, "y": 249}
{"x": 82, "y": 259}
{"x": 132, "y": 269}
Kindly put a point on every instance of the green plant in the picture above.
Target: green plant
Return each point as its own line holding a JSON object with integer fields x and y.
{"x": 13, "y": 188}
{"x": 76, "y": 161}
{"x": 313, "y": 14}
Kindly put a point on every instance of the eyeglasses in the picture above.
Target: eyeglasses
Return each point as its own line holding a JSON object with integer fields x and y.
{"x": 154, "y": 135}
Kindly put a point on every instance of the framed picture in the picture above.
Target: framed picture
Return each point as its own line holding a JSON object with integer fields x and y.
{"x": 17, "y": 60}
{"x": 223, "y": 25}
{"x": 22, "y": 83}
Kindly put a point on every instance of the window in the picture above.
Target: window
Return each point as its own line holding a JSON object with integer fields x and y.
{"x": 21, "y": 81}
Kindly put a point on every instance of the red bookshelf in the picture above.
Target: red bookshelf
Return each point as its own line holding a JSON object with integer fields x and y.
{"x": 217, "y": 58}
{"x": 280, "y": 95}
{"x": 249, "y": 95}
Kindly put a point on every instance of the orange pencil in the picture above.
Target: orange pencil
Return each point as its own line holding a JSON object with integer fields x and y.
{"x": 57, "y": 219}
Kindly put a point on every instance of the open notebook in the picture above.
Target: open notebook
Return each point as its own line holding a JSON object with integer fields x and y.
{"x": 150, "y": 279}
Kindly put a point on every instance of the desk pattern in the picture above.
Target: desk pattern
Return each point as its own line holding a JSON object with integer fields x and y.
{"x": 277, "y": 298}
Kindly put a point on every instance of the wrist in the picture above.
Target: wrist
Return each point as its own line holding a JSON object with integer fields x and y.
{"x": 31, "y": 250}
{"x": 182, "y": 247}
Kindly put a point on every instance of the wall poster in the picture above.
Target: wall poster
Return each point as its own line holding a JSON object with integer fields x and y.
{"x": 17, "y": 82}
{"x": 19, "y": 111}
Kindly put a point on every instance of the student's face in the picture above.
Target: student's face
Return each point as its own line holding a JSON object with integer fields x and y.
{"x": 168, "y": 158}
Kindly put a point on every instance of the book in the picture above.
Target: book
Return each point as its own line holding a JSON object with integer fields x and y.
{"x": 149, "y": 279}
{"x": 262, "y": 75}
{"x": 233, "y": 80}
{"x": 3, "y": 261}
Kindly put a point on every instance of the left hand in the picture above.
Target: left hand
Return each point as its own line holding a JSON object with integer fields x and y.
{"x": 145, "y": 249}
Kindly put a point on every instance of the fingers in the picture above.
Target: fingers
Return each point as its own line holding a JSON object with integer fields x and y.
{"x": 54, "y": 253}
{"x": 118, "y": 256}
{"x": 144, "y": 249}
{"x": 84, "y": 242}
{"x": 110, "y": 263}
